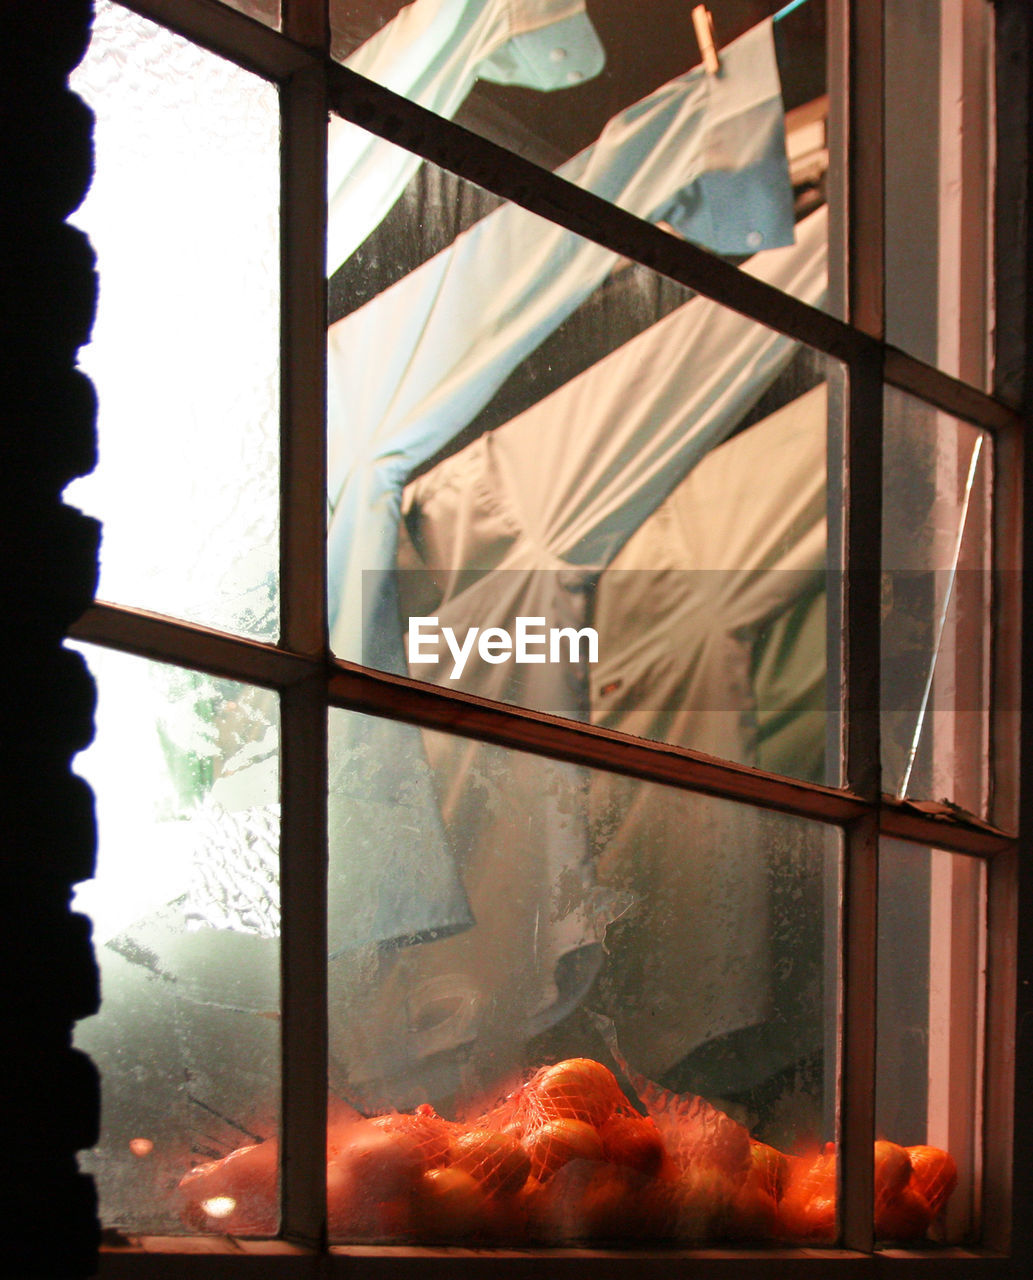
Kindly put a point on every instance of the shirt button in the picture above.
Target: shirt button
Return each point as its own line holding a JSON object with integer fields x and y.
{"x": 755, "y": 239}
{"x": 558, "y": 55}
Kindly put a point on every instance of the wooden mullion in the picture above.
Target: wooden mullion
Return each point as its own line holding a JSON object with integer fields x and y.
{"x": 859, "y": 918}
{"x": 395, "y": 697}
{"x": 1009, "y": 504}
{"x": 865, "y": 167}
{"x": 303, "y": 364}
{"x": 948, "y": 394}
{"x": 940, "y": 827}
{"x": 214, "y": 26}
{"x": 303, "y": 947}
{"x": 860, "y": 30}
{"x": 303, "y": 776}
{"x": 1004, "y": 1113}
{"x": 307, "y": 22}
{"x": 152, "y": 635}
{"x": 508, "y": 175}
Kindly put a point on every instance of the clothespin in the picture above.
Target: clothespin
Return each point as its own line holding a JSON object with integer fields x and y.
{"x": 703, "y": 21}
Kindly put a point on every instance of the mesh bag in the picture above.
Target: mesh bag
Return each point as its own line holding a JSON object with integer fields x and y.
{"x": 597, "y": 1167}
{"x": 567, "y": 1158}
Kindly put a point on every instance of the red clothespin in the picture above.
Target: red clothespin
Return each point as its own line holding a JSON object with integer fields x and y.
{"x": 703, "y": 21}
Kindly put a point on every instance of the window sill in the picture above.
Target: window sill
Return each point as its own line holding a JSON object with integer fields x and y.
{"x": 147, "y": 1257}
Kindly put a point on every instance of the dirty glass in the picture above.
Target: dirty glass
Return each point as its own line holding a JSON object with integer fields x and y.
{"x": 182, "y": 214}
{"x": 185, "y": 913}
{"x": 494, "y": 914}
{"x": 931, "y": 962}
{"x": 550, "y": 456}
{"x": 725, "y": 159}
{"x": 939, "y": 180}
{"x": 936, "y": 611}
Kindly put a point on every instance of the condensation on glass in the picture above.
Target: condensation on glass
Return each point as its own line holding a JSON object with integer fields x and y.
{"x": 491, "y": 913}
{"x": 527, "y": 432}
{"x": 727, "y": 161}
{"x": 930, "y": 1032}
{"x": 183, "y": 215}
{"x": 185, "y": 914}
{"x": 936, "y": 612}
{"x": 939, "y": 183}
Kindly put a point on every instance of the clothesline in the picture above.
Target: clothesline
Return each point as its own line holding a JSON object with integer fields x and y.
{"x": 787, "y": 9}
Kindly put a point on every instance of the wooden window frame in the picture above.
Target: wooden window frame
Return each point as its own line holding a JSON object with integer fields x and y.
{"x": 309, "y": 679}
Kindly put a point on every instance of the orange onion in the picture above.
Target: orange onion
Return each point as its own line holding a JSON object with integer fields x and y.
{"x": 556, "y": 1142}
{"x": 577, "y": 1089}
{"x": 934, "y": 1173}
{"x": 495, "y": 1159}
{"x": 633, "y": 1141}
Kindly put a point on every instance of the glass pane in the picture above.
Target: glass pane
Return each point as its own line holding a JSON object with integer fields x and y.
{"x": 939, "y": 118}
{"x": 728, "y": 161}
{"x": 493, "y": 914}
{"x": 525, "y": 432}
{"x": 185, "y": 350}
{"x": 185, "y": 911}
{"x": 936, "y": 640}
{"x": 932, "y": 921}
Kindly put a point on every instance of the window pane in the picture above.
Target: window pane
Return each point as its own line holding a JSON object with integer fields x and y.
{"x": 936, "y": 642}
{"x": 939, "y": 116}
{"x": 492, "y": 912}
{"x": 930, "y": 1032}
{"x": 185, "y": 350}
{"x": 713, "y": 158}
{"x": 185, "y": 911}
{"x": 529, "y": 435}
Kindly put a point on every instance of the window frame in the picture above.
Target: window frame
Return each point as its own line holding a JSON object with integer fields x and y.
{"x": 309, "y": 679}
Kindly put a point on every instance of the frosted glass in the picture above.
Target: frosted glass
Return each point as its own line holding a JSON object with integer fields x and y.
{"x": 185, "y": 350}
{"x": 932, "y": 919}
{"x": 937, "y": 598}
{"x": 687, "y": 943}
{"x": 939, "y": 171}
{"x": 185, "y": 911}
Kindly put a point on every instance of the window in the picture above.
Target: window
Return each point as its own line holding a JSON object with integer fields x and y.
{"x": 617, "y": 663}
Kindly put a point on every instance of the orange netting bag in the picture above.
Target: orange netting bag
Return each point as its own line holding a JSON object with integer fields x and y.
{"x": 566, "y": 1157}
{"x": 595, "y": 1163}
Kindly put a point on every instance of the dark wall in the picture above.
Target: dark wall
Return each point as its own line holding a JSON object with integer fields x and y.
{"x": 47, "y": 973}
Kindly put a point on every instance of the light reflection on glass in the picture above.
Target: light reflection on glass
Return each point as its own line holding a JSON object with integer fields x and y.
{"x": 183, "y": 215}
{"x": 185, "y": 914}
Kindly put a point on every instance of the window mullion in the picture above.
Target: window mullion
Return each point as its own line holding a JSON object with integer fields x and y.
{"x": 188, "y": 644}
{"x": 442, "y": 142}
{"x": 303, "y": 962}
{"x": 303, "y": 593}
{"x": 865, "y": 166}
{"x": 223, "y": 30}
{"x": 857, "y": 51}
{"x": 861, "y": 613}
{"x": 907, "y": 373}
{"x": 307, "y": 22}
